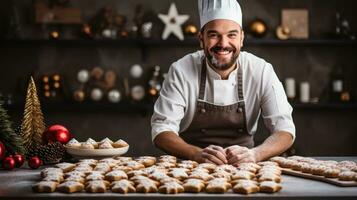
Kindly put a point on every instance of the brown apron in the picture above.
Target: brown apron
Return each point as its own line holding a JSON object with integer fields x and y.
{"x": 218, "y": 125}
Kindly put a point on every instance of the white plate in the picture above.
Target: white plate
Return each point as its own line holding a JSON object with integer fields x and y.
{"x": 92, "y": 153}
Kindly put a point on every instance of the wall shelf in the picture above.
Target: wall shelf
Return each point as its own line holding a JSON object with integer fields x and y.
{"x": 191, "y": 41}
{"x": 324, "y": 106}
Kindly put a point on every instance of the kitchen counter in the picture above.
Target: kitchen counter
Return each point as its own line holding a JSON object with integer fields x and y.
{"x": 17, "y": 184}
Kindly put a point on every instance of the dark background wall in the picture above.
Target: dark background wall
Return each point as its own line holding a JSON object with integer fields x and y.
{"x": 320, "y": 130}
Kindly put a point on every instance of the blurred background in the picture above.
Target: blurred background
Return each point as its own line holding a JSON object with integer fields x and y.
{"x": 99, "y": 65}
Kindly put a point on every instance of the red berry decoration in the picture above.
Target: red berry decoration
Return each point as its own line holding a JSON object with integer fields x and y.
{"x": 2, "y": 150}
{"x": 19, "y": 159}
{"x": 34, "y": 162}
{"x": 8, "y": 163}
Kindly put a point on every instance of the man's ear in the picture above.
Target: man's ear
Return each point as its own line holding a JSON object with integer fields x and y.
{"x": 242, "y": 39}
{"x": 200, "y": 39}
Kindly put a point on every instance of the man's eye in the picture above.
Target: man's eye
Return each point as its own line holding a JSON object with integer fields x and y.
{"x": 212, "y": 35}
{"x": 233, "y": 35}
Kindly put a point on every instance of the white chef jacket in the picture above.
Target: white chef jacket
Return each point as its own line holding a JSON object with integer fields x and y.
{"x": 262, "y": 90}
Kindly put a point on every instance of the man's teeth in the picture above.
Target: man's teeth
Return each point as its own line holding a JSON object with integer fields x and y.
{"x": 223, "y": 52}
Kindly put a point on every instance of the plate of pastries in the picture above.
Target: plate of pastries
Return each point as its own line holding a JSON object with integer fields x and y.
{"x": 92, "y": 148}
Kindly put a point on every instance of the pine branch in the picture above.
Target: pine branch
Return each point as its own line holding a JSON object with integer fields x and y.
{"x": 8, "y": 136}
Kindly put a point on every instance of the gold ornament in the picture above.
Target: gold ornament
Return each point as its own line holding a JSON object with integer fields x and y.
{"x": 79, "y": 95}
{"x": 54, "y": 34}
{"x": 33, "y": 124}
{"x": 191, "y": 29}
{"x": 283, "y": 33}
{"x": 258, "y": 28}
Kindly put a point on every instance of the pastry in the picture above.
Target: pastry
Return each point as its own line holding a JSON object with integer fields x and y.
{"x": 209, "y": 166}
{"x": 45, "y": 186}
{"x": 222, "y": 174}
{"x": 269, "y": 177}
{"x": 218, "y": 185}
{"x": 146, "y": 186}
{"x": 74, "y": 178}
{"x": 347, "y": 176}
{"x": 331, "y": 173}
{"x": 179, "y": 173}
{"x": 188, "y": 164}
{"x": 243, "y": 175}
{"x": 157, "y": 176}
{"x": 136, "y": 172}
{"x": 193, "y": 185}
{"x": 91, "y": 162}
{"x": 168, "y": 158}
{"x": 53, "y": 177}
{"x": 73, "y": 143}
{"x": 171, "y": 188}
{"x": 123, "y": 158}
{"x": 115, "y": 175}
{"x": 166, "y": 164}
{"x": 134, "y": 165}
{"x": 97, "y": 186}
{"x": 120, "y": 143}
{"x": 269, "y": 187}
{"x": 246, "y": 187}
{"x": 105, "y": 145}
{"x": 318, "y": 169}
{"x": 102, "y": 167}
{"x": 86, "y": 145}
{"x": 66, "y": 167}
{"x": 125, "y": 169}
{"x": 93, "y": 142}
{"x": 106, "y": 140}
{"x": 75, "y": 173}
{"x": 70, "y": 187}
{"x": 94, "y": 177}
{"x": 51, "y": 170}
{"x": 123, "y": 186}
{"x": 200, "y": 175}
{"x": 147, "y": 161}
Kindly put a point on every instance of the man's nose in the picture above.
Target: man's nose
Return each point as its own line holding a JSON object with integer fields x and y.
{"x": 223, "y": 41}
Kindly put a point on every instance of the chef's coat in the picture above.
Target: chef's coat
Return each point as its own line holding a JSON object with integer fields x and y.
{"x": 263, "y": 94}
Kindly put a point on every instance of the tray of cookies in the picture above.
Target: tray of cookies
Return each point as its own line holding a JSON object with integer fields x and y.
{"x": 92, "y": 149}
{"x": 343, "y": 173}
{"x": 165, "y": 174}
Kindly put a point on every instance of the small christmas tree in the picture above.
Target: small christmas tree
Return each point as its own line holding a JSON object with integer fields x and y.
{"x": 32, "y": 126}
{"x": 8, "y": 136}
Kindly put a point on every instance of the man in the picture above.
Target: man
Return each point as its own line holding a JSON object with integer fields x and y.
{"x": 211, "y": 100}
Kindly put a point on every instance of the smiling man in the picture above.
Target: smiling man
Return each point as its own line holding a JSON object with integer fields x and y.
{"x": 211, "y": 100}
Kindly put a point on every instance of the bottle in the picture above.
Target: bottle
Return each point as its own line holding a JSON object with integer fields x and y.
{"x": 290, "y": 89}
{"x": 337, "y": 80}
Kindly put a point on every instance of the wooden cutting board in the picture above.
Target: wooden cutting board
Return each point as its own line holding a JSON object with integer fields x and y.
{"x": 333, "y": 181}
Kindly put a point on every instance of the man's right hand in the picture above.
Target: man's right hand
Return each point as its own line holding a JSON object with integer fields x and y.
{"x": 212, "y": 154}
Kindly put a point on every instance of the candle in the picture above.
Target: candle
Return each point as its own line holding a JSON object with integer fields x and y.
{"x": 304, "y": 92}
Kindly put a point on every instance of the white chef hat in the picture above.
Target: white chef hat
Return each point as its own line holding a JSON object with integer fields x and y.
{"x": 210, "y": 10}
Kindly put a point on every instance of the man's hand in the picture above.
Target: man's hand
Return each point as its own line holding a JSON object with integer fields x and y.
{"x": 237, "y": 154}
{"x": 212, "y": 154}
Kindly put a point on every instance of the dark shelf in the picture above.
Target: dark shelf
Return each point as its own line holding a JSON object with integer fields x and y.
{"x": 147, "y": 107}
{"x": 324, "y": 106}
{"x": 191, "y": 41}
{"x": 93, "y": 107}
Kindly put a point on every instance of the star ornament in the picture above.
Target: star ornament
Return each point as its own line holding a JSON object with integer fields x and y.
{"x": 173, "y": 22}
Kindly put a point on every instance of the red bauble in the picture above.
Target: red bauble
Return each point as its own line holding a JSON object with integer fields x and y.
{"x": 2, "y": 150}
{"x": 8, "y": 163}
{"x": 19, "y": 159}
{"x": 56, "y": 133}
{"x": 55, "y": 128}
{"x": 63, "y": 137}
{"x": 34, "y": 162}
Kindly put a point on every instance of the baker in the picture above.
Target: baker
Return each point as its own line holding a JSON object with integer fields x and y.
{"x": 211, "y": 100}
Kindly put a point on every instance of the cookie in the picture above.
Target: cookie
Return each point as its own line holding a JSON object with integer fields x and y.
{"x": 218, "y": 185}
{"x": 171, "y": 188}
{"x": 97, "y": 186}
{"x": 146, "y": 186}
{"x": 147, "y": 161}
{"x": 70, "y": 187}
{"x": 73, "y": 143}
{"x": 331, "y": 173}
{"x": 178, "y": 173}
{"x": 193, "y": 185}
{"x": 197, "y": 174}
{"x": 269, "y": 187}
{"x": 246, "y": 187}
{"x": 123, "y": 186}
{"x": 115, "y": 175}
{"x": 66, "y": 167}
{"x": 86, "y": 145}
{"x": 243, "y": 175}
{"x": 347, "y": 176}
{"x": 168, "y": 158}
{"x": 120, "y": 143}
{"x": 93, "y": 142}
{"x": 269, "y": 177}
{"x": 105, "y": 145}
{"x": 45, "y": 186}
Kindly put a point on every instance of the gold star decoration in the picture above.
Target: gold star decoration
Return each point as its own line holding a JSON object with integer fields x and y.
{"x": 173, "y": 22}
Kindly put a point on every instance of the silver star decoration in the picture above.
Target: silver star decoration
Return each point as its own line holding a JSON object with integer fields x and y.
{"x": 173, "y": 22}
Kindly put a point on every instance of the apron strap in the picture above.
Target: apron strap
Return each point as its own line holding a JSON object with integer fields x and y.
{"x": 201, "y": 94}
{"x": 240, "y": 83}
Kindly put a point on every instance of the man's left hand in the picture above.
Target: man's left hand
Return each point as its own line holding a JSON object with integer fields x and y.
{"x": 237, "y": 154}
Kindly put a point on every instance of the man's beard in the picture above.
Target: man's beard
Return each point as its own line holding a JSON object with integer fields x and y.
{"x": 222, "y": 66}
